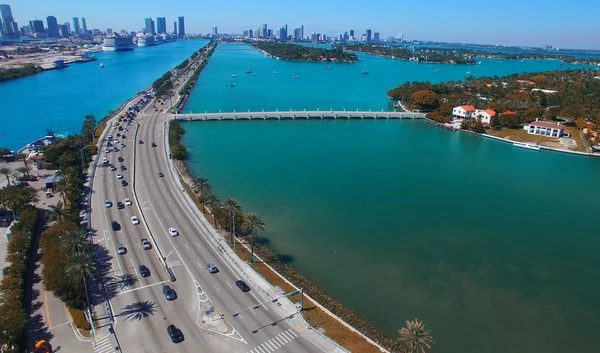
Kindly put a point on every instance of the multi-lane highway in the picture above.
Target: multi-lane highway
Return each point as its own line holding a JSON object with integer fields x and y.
{"x": 206, "y": 303}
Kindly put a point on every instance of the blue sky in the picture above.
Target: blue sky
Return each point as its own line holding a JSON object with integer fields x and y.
{"x": 564, "y": 24}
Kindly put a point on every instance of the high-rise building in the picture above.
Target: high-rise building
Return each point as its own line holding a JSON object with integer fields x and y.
{"x": 84, "y": 30}
{"x": 37, "y": 27}
{"x": 174, "y": 28}
{"x": 76, "y": 27}
{"x": 400, "y": 38}
{"x": 368, "y": 38}
{"x": 265, "y": 31}
{"x": 96, "y": 31}
{"x": 250, "y": 33}
{"x": 149, "y": 27}
{"x": 161, "y": 25}
{"x": 8, "y": 26}
{"x": 299, "y": 33}
{"x": 314, "y": 37}
{"x": 352, "y": 33}
{"x": 52, "y": 26}
{"x": 258, "y": 33}
{"x": 109, "y": 31}
{"x": 376, "y": 37}
{"x": 64, "y": 31}
{"x": 68, "y": 24}
{"x": 181, "y": 33}
{"x": 345, "y": 37}
{"x": 215, "y": 31}
{"x": 282, "y": 35}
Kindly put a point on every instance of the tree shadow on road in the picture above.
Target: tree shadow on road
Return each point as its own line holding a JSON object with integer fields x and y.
{"x": 123, "y": 281}
{"x": 103, "y": 266}
{"x": 138, "y": 310}
{"x": 38, "y": 329}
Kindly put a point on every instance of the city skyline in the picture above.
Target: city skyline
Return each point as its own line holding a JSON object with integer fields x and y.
{"x": 564, "y": 28}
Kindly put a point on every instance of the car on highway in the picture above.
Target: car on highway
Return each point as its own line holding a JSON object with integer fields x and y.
{"x": 144, "y": 271}
{"x": 112, "y": 168}
{"x": 169, "y": 293}
{"x": 141, "y": 142}
{"x": 175, "y": 333}
{"x": 109, "y": 137}
{"x": 122, "y": 145}
{"x": 212, "y": 268}
{"x": 123, "y": 168}
{"x": 107, "y": 151}
{"x": 119, "y": 176}
{"x": 128, "y": 202}
{"x": 173, "y": 232}
{"x": 115, "y": 149}
{"x": 135, "y": 220}
{"x": 121, "y": 249}
{"x": 242, "y": 285}
{"x": 108, "y": 203}
{"x": 123, "y": 183}
{"x": 146, "y": 244}
{"x": 120, "y": 205}
{"x": 115, "y": 225}
{"x": 161, "y": 175}
{"x": 104, "y": 160}
{"x": 120, "y": 159}
{"x": 153, "y": 144}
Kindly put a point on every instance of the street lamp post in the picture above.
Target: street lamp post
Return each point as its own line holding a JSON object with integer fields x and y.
{"x": 81, "y": 154}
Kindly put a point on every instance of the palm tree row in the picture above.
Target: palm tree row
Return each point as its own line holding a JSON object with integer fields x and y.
{"x": 252, "y": 224}
{"x": 80, "y": 261}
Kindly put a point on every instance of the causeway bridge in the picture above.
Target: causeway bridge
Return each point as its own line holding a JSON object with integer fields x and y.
{"x": 293, "y": 115}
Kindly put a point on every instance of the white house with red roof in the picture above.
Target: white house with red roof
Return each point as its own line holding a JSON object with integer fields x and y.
{"x": 485, "y": 116}
{"x": 463, "y": 111}
{"x": 544, "y": 128}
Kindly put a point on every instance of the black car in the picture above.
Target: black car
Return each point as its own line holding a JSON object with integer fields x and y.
{"x": 115, "y": 225}
{"x": 123, "y": 168}
{"x": 124, "y": 183}
{"x": 153, "y": 144}
{"x": 120, "y": 205}
{"x": 169, "y": 293}
{"x": 175, "y": 333}
{"x": 161, "y": 175}
{"x": 144, "y": 271}
{"x": 242, "y": 285}
{"x": 120, "y": 159}
{"x": 140, "y": 142}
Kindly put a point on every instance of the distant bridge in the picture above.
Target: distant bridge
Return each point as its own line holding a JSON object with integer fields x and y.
{"x": 293, "y": 115}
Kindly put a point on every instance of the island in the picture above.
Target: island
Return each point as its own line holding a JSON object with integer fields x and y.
{"x": 556, "y": 109}
{"x": 17, "y": 72}
{"x": 295, "y": 52}
{"x": 429, "y": 55}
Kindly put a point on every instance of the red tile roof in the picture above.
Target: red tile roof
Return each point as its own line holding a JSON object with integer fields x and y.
{"x": 490, "y": 112}
{"x": 509, "y": 113}
{"x": 468, "y": 107}
{"x": 546, "y": 124}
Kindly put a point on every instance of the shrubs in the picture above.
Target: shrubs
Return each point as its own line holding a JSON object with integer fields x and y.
{"x": 13, "y": 313}
{"x": 177, "y": 148}
{"x": 79, "y": 319}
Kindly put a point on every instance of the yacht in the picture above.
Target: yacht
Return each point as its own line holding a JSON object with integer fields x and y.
{"x": 101, "y": 65}
{"x": 529, "y": 146}
{"x": 234, "y": 75}
{"x": 273, "y": 72}
{"x": 295, "y": 76}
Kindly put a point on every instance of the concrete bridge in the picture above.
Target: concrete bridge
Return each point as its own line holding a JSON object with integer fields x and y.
{"x": 293, "y": 115}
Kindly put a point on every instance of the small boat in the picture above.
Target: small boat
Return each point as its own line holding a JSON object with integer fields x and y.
{"x": 365, "y": 71}
{"x": 234, "y": 75}
{"x": 273, "y": 72}
{"x": 101, "y": 65}
{"x": 295, "y": 76}
{"x": 231, "y": 85}
{"x": 248, "y": 71}
{"x": 436, "y": 70}
{"x": 469, "y": 72}
{"x": 529, "y": 146}
{"x": 328, "y": 67}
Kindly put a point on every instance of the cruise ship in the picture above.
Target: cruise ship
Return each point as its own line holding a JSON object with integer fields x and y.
{"x": 145, "y": 40}
{"x": 117, "y": 43}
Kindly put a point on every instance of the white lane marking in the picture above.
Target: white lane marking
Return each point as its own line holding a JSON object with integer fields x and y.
{"x": 288, "y": 334}
{"x": 293, "y": 333}
{"x": 229, "y": 284}
{"x": 260, "y": 349}
{"x": 188, "y": 228}
{"x": 200, "y": 246}
{"x": 278, "y": 339}
{"x": 285, "y": 339}
{"x": 214, "y": 285}
{"x": 187, "y": 246}
{"x": 146, "y": 286}
{"x": 270, "y": 345}
{"x": 132, "y": 264}
{"x": 275, "y": 343}
{"x": 266, "y": 347}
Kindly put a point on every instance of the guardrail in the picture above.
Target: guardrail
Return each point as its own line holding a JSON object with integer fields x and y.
{"x": 161, "y": 258}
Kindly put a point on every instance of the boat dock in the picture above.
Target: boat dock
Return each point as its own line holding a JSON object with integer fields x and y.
{"x": 293, "y": 115}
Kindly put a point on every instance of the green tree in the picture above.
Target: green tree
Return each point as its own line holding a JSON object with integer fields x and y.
{"x": 80, "y": 266}
{"x": 233, "y": 208}
{"x": 7, "y": 172}
{"x": 415, "y": 337}
{"x": 495, "y": 123}
{"x": 75, "y": 241}
{"x": 214, "y": 202}
{"x": 61, "y": 188}
{"x": 89, "y": 127}
{"x": 424, "y": 99}
{"x": 202, "y": 187}
{"x": 57, "y": 212}
{"x": 477, "y": 126}
{"x": 255, "y": 225}
{"x": 23, "y": 170}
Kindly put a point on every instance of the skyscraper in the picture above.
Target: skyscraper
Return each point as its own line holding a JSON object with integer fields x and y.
{"x": 352, "y": 33}
{"x": 37, "y": 27}
{"x": 299, "y": 33}
{"x": 161, "y": 25}
{"x": 174, "y": 28}
{"x": 64, "y": 31}
{"x": 149, "y": 28}
{"x": 265, "y": 31}
{"x": 400, "y": 37}
{"x": 376, "y": 37}
{"x": 8, "y": 26}
{"x": 368, "y": 36}
{"x": 83, "y": 27}
{"x": 76, "y": 27}
{"x": 52, "y": 26}
{"x": 283, "y": 33}
{"x": 181, "y": 33}
{"x": 215, "y": 31}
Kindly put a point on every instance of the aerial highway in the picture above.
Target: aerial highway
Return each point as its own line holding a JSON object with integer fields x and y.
{"x": 207, "y": 304}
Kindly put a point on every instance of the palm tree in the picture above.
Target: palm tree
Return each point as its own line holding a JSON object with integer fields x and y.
{"x": 23, "y": 170}
{"x": 75, "y": 241}
{"x": 202, "y": 187}
{"x": 255, "y": 225}
{"x": 23, "y": 157}
{"x": 214, "y": 201}
{"x": 7, "y": 172}
{"x": 57, "y": 212}
{"x": 61, "y": 188}
{"x": 80, "y": 266}
{"x": 233, "y": 207}
{"x": 415, "y": 336}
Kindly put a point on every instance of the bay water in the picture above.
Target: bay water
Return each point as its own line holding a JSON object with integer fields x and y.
{"x": 494, "y": 247}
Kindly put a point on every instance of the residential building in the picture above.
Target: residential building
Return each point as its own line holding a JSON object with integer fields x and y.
{"x": 161, "y": 25}
{"x": 282, "y": 33}
{"x": 485, "y": 116}
{"x": 368, "y": 38}
{"x": 76, "y": 27}
{"x": 400, "y": 38}
{"x": 174, "y": 28}
{"x": 109, "y": 31}
{"x": 96, "y": 32}
{"x": 215, "y": 31}
{"x": 64, "y": 31}
{"x": 8, "y": 27}
{"x": 352, "y": 33}
{"x": 181, "y": 32}
{"x": 52, "y": 24}
{"x": 376, "y": 37}
{"x": 149, "y": 26}
{"x": 314, "y": 37}
{"x": 299, "y": 33}
{"x": 265, "y": 31}
{"x": 547, "y": 129}
{"x": 37, "y": 27}
{"x": 463, "y": 111}
{"x": 84, "y": 30}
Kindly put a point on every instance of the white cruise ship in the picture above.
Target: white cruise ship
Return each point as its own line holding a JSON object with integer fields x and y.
{"x": 145, "y": 40}
{"x": 117, "y": 43}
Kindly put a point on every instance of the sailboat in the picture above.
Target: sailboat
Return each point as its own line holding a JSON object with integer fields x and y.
{"x": 365, "y": 71}
{"x": 469, "y": 72}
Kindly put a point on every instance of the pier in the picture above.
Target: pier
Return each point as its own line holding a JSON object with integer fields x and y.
{"x": 293, "y": 115}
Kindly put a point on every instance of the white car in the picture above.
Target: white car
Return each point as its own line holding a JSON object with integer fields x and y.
{"x": 108, "y": 203}
{"x": 135, "y": 220}
{"x": 119, "y": 176}
{"x": 128, "y": 202}
{"x": 173, "y": 232}
{"x": 107, "y": 151}
{"x": 104, "y": 160}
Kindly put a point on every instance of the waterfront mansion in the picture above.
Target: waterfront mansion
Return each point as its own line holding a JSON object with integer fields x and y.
{"x": 547, "y": 129}
{"x": 469, "y": 112}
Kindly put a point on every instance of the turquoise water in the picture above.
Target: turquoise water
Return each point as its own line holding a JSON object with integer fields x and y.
{"x": 59, "y": 99}
{"x": 494, "y": 247}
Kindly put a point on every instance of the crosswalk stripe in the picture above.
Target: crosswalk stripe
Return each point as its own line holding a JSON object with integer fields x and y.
{"x": 275, "y": 342}
{"x": 267, "y": 348}
{"x": 286, "y": 334}
{"x": 293, "y": 333}
{"x": 280, "y": 336}
{"x": 259, "y": 349}
{"x": 271, "y": 345}
{"x": 280, "y": 340}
